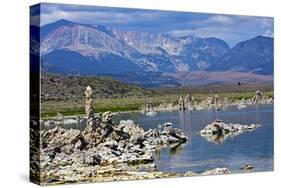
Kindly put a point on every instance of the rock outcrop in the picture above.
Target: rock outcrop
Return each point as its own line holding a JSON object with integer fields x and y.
{"x": 124, "y": 143}
{"x": 101, "y": 144}
{"x": 218, "y": 131}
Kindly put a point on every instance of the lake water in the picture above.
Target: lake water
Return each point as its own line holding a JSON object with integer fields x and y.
{"x": 254, "y": 148}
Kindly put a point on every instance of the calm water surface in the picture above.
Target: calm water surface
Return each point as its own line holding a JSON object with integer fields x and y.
{"x": 254, "y": 148}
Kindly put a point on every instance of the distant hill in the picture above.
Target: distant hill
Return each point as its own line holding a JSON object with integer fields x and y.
{"x": 254, "y": 55}
{"x": 191, "y": 78}
{"x": 71, "y": 88}
{"x": 224, "y": 77}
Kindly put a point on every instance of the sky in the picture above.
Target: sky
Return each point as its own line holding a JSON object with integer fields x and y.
{"x": 231, "y": 28}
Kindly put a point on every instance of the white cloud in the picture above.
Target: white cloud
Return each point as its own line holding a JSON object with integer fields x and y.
{"x": 231, "y": 28}
{"x": 84, "y": 17}
{"x": 220, "y": 19}
{"x": 268, "y": 33}
{"x": 230, "y": 35}
{"x": 211, "y": 31}
{"x": 99, "y": 17}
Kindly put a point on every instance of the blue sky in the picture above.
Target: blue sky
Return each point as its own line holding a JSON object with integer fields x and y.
{"x": 231, "y": 28}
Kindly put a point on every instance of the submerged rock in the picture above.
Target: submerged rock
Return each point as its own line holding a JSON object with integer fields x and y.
{"x": 167, "y": 124}
{"x": 215, "y": 171}
{"x": 190, "y": 173}
{"x": 151, "y": 113}
{"x": 247, "y": 167}
{"x": 241, "y": 106}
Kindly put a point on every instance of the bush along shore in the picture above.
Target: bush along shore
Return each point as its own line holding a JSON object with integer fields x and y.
{"x": 106, "y": 151}
{"x": 166, "y": 102}
{"x": 187, "y": 103}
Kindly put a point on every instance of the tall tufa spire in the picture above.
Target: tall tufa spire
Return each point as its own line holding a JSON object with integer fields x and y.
{"x": 89, "y": 109}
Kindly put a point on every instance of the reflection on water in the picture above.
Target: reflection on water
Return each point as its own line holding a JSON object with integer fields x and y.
{"x": 254, "y": 148}
{"x": 176, "y": 148}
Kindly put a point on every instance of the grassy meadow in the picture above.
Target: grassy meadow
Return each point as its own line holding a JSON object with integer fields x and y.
{"x": 51, "y": 108}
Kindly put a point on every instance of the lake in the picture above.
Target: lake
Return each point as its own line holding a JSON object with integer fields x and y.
{"x": 254, "y": 148}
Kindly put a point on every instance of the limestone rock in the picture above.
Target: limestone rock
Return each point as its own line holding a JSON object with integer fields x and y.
{"x": 89, "y": 110}
{"x": 59, "y": 137}
{"x": 217, "y": 171}
{"x": 92, "y": 158}
{"x": 257, "y": 98}
{"x": 174, "y": 134}
{"x": 102, "y": 147}
{"x": 218, "y": 131}
{"x": 190, "y": 173}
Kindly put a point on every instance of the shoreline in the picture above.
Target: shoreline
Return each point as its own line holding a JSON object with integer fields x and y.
{"x": 175, "y": 108}
{"x": 146, "y": 175}
{"x": 158, "y": 102}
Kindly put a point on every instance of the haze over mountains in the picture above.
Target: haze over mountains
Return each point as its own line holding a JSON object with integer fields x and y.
{"x": 78, "y": 49}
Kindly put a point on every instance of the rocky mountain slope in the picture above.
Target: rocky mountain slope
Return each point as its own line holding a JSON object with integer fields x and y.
{"x": 254, "y": 55}
{"x": 150, "y": 59}
{"x": 92, "y": 49}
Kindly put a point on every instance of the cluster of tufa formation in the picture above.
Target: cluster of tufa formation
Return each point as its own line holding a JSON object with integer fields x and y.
{"x": 218, "y": 131}
{"x": 102, "y": 149}
{"x": 186, "y": 103}
{"x": 257, "y": 98}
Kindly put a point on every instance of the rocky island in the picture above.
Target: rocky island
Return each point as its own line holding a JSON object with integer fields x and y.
{"x": 218, "y": 131}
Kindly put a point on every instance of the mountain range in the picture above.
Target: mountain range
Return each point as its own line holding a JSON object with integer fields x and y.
{"x": 79, "y": 49}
